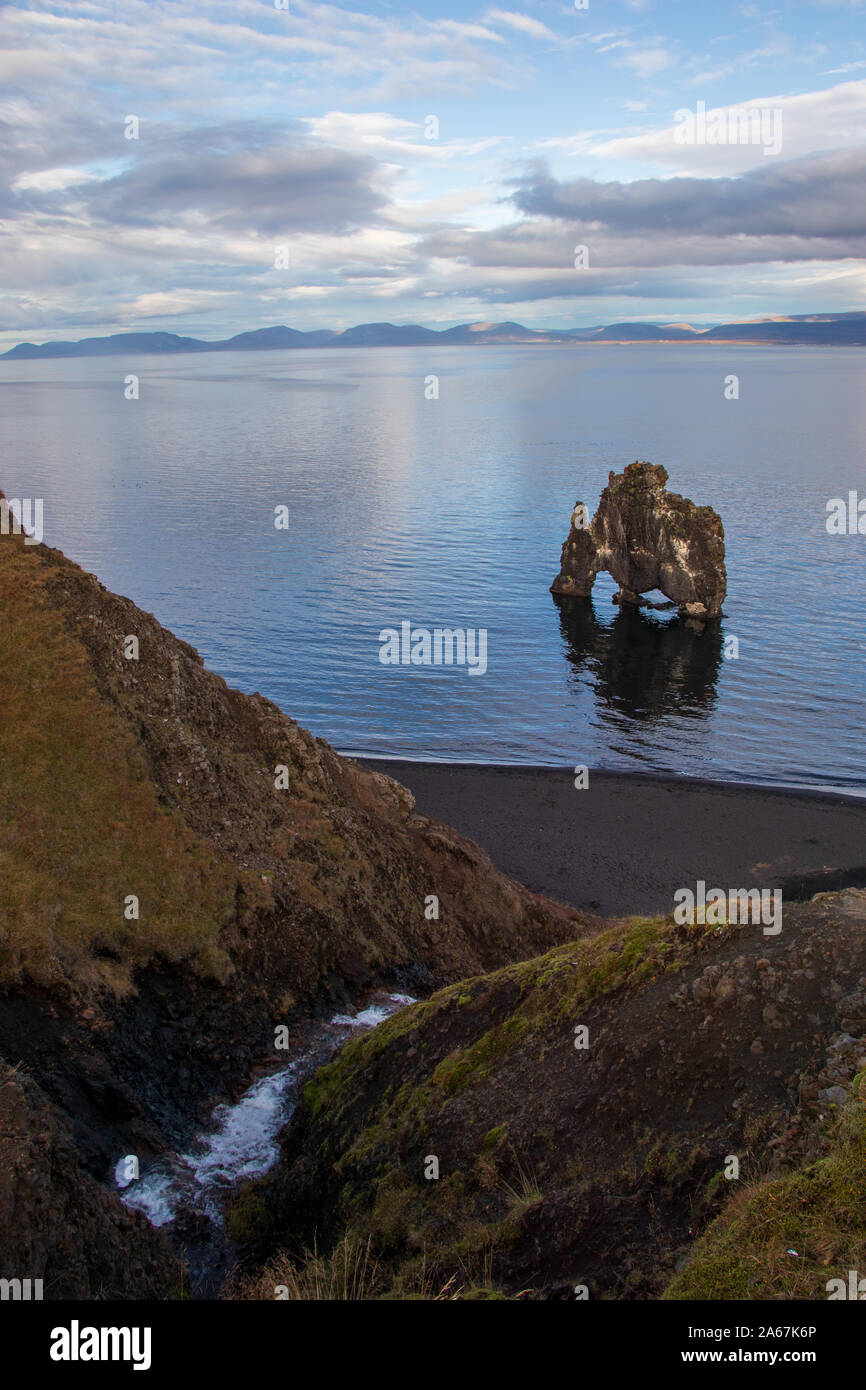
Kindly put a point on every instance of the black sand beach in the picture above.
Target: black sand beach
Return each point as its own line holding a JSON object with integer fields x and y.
{"x": 628, "y": 841}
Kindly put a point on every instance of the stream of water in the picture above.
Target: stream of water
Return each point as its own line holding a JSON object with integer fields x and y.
{"x": 240, "y": 1143}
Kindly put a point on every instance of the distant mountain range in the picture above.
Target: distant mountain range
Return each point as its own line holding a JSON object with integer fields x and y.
{"x": 841, "y": 330}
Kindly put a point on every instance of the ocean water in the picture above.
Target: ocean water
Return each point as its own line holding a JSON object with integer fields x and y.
{"x": 451, "y": 512}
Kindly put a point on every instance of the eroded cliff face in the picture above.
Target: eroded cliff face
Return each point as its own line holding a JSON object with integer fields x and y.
{"x": 184, "y": 868}
{"x": 57, "y": 1223}
{"x": 647, "y": 538}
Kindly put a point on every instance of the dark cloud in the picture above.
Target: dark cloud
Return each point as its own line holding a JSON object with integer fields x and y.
{"x": 819, "y": 196}
{"x": 812, "y": 209}
{"x": 526, "y": 247}
{"x": 288, "y": 184}
{"x": 246, "y": 177}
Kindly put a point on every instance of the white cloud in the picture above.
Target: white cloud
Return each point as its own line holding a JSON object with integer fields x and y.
{"x": 167, "y": 303}
{"x": 378, "y": 132}
{"x": 811, "y": 121}
{"x": 52, "y": 180}
{"x": 522, "y": 22}
{"x": 646, "y": 62}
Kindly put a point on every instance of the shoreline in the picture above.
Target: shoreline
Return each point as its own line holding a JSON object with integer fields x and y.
{"x": 7, "y": 354}
{"x": 809, "y": 789}
{"x": 628, "y": 841}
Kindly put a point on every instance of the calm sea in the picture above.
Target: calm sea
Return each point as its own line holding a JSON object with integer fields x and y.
{"x": 451, "y": 512}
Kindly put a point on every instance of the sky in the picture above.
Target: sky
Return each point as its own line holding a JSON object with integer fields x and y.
{"x": 325, "y": 165}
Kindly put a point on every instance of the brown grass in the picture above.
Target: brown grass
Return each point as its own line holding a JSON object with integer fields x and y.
{"x": 81, "y": 826}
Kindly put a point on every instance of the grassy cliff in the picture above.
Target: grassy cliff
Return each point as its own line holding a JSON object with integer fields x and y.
{"x": 149, "y": 777}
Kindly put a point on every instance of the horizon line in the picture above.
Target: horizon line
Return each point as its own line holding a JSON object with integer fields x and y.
{"x": 477, "y": 330}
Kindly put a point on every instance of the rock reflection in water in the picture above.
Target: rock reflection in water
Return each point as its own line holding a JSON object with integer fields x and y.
{"x": 639, "y": 666}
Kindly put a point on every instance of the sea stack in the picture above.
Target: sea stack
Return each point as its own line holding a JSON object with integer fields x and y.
{"x": 647, "y": 538}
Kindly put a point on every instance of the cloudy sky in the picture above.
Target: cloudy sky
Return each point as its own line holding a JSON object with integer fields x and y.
{"x": 437, "y": 163}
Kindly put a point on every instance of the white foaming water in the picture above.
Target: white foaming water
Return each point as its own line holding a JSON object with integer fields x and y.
{"x": 156, "y": 1194}
{"x": 244, "y": 1145}
{"x": 374, "y": 1013}
{"x": 244, "y": 1142}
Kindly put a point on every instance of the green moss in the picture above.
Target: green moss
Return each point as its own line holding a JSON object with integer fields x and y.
{"x": 713, "y": 1186}
{"x": 556, "y": 986}
{"x": 669, "y": 1162}
{"x": 401, "y": 1117}
{"x": 248, "y": 1219}
{"x": 492, "y": 1137}
{"x": 819, "y": 1212}
{"x": 460, "y": 1068}
{"x": 389, "y": 1222}
{"x": 329, "y": 1088}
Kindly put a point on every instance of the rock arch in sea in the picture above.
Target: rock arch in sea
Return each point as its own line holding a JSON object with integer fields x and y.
{"x": 647, "y": 538}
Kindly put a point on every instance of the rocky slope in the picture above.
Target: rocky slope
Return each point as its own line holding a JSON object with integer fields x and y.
{"x": 184, "y": 868}
{"x": 60, "y": 1225}
{"x": 562, "y": 1165}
